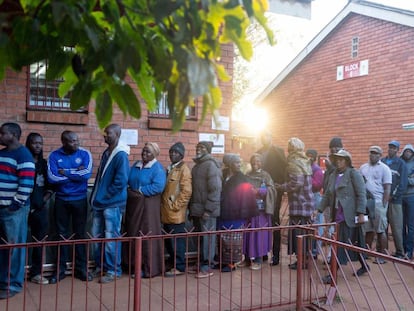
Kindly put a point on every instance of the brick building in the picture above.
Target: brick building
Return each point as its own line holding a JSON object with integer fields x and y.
{"x": 20, "y": 103}
{"x": 354, "y": 80}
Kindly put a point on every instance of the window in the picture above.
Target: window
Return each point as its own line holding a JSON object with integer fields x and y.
{"x": 354, "y": 48}
{"x": 43, "y": 102}
{"x": 163, "y": 111}
{"x": 43, "y": 94}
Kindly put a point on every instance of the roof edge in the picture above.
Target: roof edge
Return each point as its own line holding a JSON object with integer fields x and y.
{"x": 366, "y": 8}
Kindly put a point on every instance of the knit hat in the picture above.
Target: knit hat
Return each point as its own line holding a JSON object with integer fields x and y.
{"x": 230, "y": 158}
{"x": 313, "y": 153}
{"x": 207, "y": 144}
{"x": 154, "y": 148}
{"x": 179, "y": 147}
{"x": 336, "y": 142}
{"x": 408, "y": 147}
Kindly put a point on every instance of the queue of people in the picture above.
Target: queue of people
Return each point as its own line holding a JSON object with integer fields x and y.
{"x": 146, "y": 199}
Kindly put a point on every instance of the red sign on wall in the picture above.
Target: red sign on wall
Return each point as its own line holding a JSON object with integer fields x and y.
{"x": 352, "y": 70}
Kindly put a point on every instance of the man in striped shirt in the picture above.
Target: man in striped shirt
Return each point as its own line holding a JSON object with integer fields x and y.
{"x": 17, "y": 171}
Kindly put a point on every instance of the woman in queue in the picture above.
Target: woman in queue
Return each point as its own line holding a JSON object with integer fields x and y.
{"x": 147, "y": 179}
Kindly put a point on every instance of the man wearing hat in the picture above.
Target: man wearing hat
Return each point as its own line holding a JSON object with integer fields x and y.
{"x": 205, "y": 203}
{"x": 398, "y": 188}
{"x": 378, "y": 179}
{"x": 174, "y": 202}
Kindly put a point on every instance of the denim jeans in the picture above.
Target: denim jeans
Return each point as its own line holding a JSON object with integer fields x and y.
{"x": 107, "y": 223}
{"x": 208, "y": 242}
{"x": 39, "y": 225}
{"x": 13, "y": 229}
{"x": 408, "y": 226}
{"x": 176, "y": 247}
{"x": 64, "y": 212}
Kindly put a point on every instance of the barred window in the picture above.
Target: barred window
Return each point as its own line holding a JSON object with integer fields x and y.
{"x": 163, "y": 111}
{"x": 354, "y": 47}
{"x": 43, "y": 94}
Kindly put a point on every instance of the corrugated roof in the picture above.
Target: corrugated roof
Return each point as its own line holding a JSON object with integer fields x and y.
{"x": 366, "y": 8}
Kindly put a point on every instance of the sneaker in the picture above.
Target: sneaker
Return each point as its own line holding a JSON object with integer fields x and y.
{"x": 173, "y": 272}
{"x": 275, "y": 261}
{"x": 242, "y": 264}
{"x": 97, "y": 273}
{"x": 361, "y": 271}
{"x": 256, "y": 266}
{"x": 193, "y": 269}
{"x": 108, "y": 278}
{"x": 379, "y": 261}
{"x": 39, "y": 279}
{"x": 327, "y": 279}
{"x": 204, "y": 274}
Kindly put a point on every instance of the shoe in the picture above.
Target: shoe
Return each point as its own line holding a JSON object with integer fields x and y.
{"x": 361, "y": 271}
{"x": 294, "y": 266}
{"x": 193, "y": 269}
{"x": 398, "y": 255}
{"x": 39, "y": 279}
{"x": 243, "y": 264}
{"x": 327, "y": 279}
{"x": 97, "y": 273}
{"x": 173, "y": 272}
{"x": 275, "y": 261}
{"x": 255, "y": 266}
{"x": 204, "y": 274}
{"x": 379, "y": 261}
{"x": 54, "y": 279}
{"x": 83, "y": 276}
{"x": 5, "y": 294}
{"x": 108, "y": 278}
{"x": 228, "y": 268}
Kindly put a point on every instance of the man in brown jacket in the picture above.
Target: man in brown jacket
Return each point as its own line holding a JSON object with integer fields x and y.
{"x": 174, "y": 204}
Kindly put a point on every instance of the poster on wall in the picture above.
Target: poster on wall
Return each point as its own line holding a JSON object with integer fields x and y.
{"x": 217, "y": 139}
{"x": 220, "y": 123}
{"x": 129, "y": 137}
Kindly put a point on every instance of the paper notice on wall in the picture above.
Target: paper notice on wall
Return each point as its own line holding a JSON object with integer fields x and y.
{"x": 220, "y": 123}
{"x": 217, "y": 139}
{"x": 129, "y": 137}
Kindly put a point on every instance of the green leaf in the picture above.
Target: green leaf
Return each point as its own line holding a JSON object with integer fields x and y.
{"x": 126, "y": 99}
{"x": 81, "y": 95}
{"x": 69, "y": 80}
{"x": 103, "y": 109}
{"x": 145, "y": 86}
{"x": 57, "y": 64}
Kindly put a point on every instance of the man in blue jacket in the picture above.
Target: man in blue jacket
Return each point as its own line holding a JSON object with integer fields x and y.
{"x": 69, "y": 169}
{"x": 108, "y": 202}
{"x": 398, "y": 188}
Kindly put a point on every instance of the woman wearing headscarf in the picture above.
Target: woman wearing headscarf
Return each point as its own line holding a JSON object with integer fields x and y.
{"x": 258, "y": 244}
{"x": 346, "y": 196}
{"x": 147, "y": 179}
{"x": 238, "y": 203}
{"x": 299, "y": 190}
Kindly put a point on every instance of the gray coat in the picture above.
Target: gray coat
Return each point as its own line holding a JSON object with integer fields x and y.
{"x": 206, "y": 184}
{"x": 350, "y": 192}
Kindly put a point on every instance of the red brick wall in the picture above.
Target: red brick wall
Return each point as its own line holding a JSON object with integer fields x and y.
{"x": 13, "y": 93}
{"x": 364, "y": 111}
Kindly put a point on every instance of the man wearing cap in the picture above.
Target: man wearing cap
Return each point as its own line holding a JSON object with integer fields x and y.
{"x": 274, "y": 162}
{"x": 205, "y": 203}
{"x": 174, "y": 202}
{"x": 398, "y": 187}
{"x": 378, "y": 180}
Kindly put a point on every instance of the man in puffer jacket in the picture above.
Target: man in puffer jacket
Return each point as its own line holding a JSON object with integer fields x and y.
{"x": 205, "y": 203}
{"x": 174, "y": 203}
{"x": 408, "y": 202}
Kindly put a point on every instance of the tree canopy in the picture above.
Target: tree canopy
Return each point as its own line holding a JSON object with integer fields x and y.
{"x": 165, "y": 46}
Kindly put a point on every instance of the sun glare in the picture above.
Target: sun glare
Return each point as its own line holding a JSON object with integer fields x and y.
{"x": 255, "y": 119}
